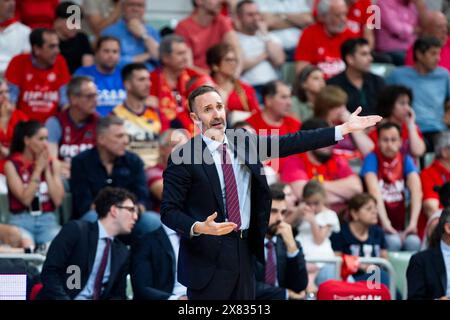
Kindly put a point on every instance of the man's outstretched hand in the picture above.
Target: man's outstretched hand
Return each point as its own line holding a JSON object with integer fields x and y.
{"x": 209, "y": 226}
{"x": 356, "y": 123}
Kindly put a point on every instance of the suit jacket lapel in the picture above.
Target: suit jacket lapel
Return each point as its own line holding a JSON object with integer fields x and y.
{"x": 281, "y": 260}
{"x": 167, "y": 245}
{"x": 440, "y": 267}
{"x": 92, "y": 250}
{"x": 211, "y": 171}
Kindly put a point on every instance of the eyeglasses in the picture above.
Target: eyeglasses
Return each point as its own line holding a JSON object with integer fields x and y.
{"x": 130, "y": 209}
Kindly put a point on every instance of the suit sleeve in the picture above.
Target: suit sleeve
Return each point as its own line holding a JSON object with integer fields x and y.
{"x": 271, "y": 147}
{"x": 82, "y": 196}
{"x": 177, "y": 182}
{"x": 267, "y": 292}
{"x": 143, "y": 273}
{"x": 415, "y": 276}
{"x": 54, "y": 269}
{"x": 296, "y": 273}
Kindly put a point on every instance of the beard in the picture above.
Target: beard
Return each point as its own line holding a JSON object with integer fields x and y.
{"x": 273, "y": 228}
{"x": 322, "y": 157}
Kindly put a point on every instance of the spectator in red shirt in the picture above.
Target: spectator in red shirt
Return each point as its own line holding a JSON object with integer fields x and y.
{"x": 169, "y": 83}
{"x": 320, "y": 43}
{"x": 388, "y": 175}
{"x": 9, "y": 117}
{"x": 275, "y": 119}
{"x": 204, "y": 28}
{"x": 436, "y": 174}
{"x": 36, "y": 13}
{"x": 239, "y": 96}
{"x": 37, "y": 81}
{"x": 168, "y": 141}
{"x": 394, "y": 105}
{"x": 333, "y": 171}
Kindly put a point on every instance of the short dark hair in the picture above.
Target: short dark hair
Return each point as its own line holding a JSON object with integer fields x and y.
{"x": 388, "y": 97}
{"x": 62, "y": 11}
{"x": 74, "y": 85}
{"x": 314, "y": 123}
{"x": 37, "y": 36}
{"x": 199, "y": 92}
{"x": 277, "y": 191}
{"x": 359, "y": 200}
{"x": 423, "y": 44}
{"x": 104, "y": 39}
{"x": 444, "y": 194}
{"x": 109, "y": 197}
{"x": 128, "y": 70}
{"x": 387, "y": 126}
{"x": 350, "y": 46}
{"x": 271, "y": 88}
{"x": 439, "y": 230}
{"x": 241, "y": 4}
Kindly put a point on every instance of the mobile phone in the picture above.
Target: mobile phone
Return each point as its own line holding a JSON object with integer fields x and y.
{"x": 35, "y": 206}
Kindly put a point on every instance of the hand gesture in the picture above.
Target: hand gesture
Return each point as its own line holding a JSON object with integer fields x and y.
{"x": 356, "y": 123}
{"x": 209, "y": 226}
{"x": 411, "y": 117}
{"x": 136, "y": 27}
{"x": 42, "y": 160}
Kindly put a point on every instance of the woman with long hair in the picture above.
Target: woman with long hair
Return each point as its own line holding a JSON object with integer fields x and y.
{"x": 35, "y": 188}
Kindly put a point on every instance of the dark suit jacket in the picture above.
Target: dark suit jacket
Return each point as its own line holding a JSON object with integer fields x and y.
{"x": 192, "y": 192}
{"x": 76, "y": 244}
{"x": 153, "y": 266}
{"x": 291, "y": 274}
{"x": 426, "y": 275}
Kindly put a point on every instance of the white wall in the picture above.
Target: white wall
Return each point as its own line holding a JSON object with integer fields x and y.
{"x": 173, "y": 10}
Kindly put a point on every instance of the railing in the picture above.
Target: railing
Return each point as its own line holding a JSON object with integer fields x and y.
{"x": 366, "y": 260}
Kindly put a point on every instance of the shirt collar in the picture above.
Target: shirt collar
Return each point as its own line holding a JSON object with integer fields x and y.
{"x": 274, "y": 240}
{"x": 168, "y": 231}
{"x": 445, "y": 248}
{"x": 102, "y": 234}
{"x": 213, "y": 145}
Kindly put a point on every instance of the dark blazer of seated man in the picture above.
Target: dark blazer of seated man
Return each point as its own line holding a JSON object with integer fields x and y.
{"x": 86, "y": 261}
{"x": 428, "y": 273}
{"x": 284, "y": 275}
{"x": 216, "y": 196}
{"x": 154, "y": 266}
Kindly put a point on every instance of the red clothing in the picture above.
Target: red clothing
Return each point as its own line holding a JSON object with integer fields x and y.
{"x": 25, "y": 169}
{"x": 290, "y": 125}
{"x": 317, "y": 47}
{"x": 444, "y": 61}
{"x": 37, "y": 13}
{"x": 245, "y": 102}
{"x": 6, "y": 136}
{"x": 200, "y": 38}
{"x": 75, "y": 140}
{"x": 357, "y": 15}
{"x": 299, "y": 167}
{"x": 405, "y": 149}
{"x": 39, "y": 88}
{"x": 392, "y": 186}
{"x": 435, "y": 175}
{"x": 173, "y": 107}
{"x": 154, "y": 174}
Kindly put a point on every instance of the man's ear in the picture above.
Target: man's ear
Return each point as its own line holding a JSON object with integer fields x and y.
{"x": 194, "y": 117}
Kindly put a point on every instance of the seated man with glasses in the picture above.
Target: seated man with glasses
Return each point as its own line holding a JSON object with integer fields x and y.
{"x": 72, "y": 130}
{"x": 86, "y": 261}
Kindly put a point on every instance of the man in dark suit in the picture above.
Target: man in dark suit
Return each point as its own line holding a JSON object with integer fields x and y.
{"x": 86, "y": 261}
{"x": 218, "y": 175}
{"x": 284, "y": 275}
{"x": 154, "y": 266}
{"x": 428, "y": 272}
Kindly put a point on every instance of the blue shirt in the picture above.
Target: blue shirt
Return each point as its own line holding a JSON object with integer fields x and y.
{"x": 430, "y": 92}
{"x": 345, "y": 242}
{"x": 88, "y": 291}
{"x": 131, "y": 46}
{"x": 89, "y": 176}
{"x": 370, "y": 164}
{"x": 109, "y": 86}
{"x": 445, "y": 248}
